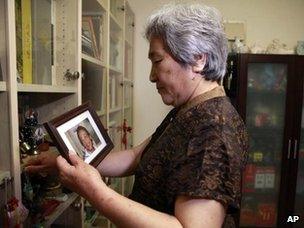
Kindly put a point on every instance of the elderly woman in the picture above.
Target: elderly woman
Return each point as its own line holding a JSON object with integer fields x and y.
{"x": 188, "y": 173}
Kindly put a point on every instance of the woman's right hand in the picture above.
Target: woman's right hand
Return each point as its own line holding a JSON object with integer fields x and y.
{"x": 43, "y": 163}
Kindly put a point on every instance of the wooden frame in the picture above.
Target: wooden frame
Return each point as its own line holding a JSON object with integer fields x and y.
{"x": 89, "y": 38}
{"x": 80, "y": 131}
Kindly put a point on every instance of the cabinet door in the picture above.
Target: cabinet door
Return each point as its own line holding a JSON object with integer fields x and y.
{"x": 297, "y": 158}
{"x": 46, "y": 42}
{"x": 264, "y": 92}
{"x": 4, "y": 115}
{"x": 299, "y": 194}
{"x": 5, "y": 148}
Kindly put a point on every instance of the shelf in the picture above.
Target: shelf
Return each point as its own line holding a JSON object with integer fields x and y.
{"x": 59, "y": 210}
{"x": 265, "y": 130}
{"x": 92, "y": 60}
{"x": 93, "y": 7}
{"x": 112, "y": 110}
{"x": 2, "y": 86}
{"x": 127, "y": 107}
{"x": 126, "y": 80}
{"x": 112, "y": 123}
{"x": 265, "y": 92}
{"x": 115, "y": 70}
{"x": 34, "y": 88}
{"x": 271, "y": 192}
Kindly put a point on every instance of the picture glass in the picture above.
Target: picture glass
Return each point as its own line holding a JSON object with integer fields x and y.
{"x": 82, "y": 136}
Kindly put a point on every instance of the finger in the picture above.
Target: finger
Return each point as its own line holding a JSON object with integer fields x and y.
{"x": 75, "y": 159}
{"x": 63, "y": 165}
{"x": 33, "y": 161}
{"x": 34, "y": 169}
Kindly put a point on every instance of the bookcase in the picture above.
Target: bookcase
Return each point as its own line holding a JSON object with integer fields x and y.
{"x": 54, "y": 56}
{"x": 267, "y": 91}
{"x": 111, "y": 74}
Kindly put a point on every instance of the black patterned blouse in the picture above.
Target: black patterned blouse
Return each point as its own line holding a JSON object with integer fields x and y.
{"x": 199, "y": 150}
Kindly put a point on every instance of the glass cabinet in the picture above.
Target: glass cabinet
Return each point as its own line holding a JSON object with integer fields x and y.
{"x": 265, "y": 115}
{"x": 299, "y": 197}
{"x": 6, "y": 167}
{"x": 267, "y": 91}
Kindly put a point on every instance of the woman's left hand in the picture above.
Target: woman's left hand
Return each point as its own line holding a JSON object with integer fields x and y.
{"x": 79, "y": 176}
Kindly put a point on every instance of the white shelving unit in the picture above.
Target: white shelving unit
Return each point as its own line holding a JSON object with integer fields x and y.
{"x": 32, "y": 88}
{"x": 92, "y": 60}
{"x": 56, "y": 48}
{"x": 59, "y": 210}
{"x": 109, "y": 73}
{"x": 53, "y": 72}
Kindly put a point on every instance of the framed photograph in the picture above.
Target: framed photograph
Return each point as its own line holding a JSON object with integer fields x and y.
{"x": 88, "y": 38}
{"x": 80, "y": 131}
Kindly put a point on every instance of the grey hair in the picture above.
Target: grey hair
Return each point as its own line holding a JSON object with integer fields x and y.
{"x": 188, "y": 31}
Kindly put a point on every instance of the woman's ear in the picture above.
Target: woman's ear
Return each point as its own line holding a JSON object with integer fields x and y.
{"x": 200, "y": 62}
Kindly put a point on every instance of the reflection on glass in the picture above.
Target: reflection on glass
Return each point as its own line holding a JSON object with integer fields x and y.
{"x": 129, "y": 24}
{"x": 2, "y": 41}
{"x": 128, "y": 61}
{"x": 116, "y": 7}
{"x": 115, "y": 129}
{"x": 92, "y": 86}
{"x": 299, "y": 202}
{"x": 265, "y": 106}
{"x": 127, "y": 96}
{"x": 34, "y": 41}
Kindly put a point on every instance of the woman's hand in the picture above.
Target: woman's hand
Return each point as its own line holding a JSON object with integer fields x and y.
{"x": 79, "y": 176}
{"x": 43, "y": 163}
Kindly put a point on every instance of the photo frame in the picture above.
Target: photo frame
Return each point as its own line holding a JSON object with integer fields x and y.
{"x": 89, "y": 44}
{"x": 80, "y": 131}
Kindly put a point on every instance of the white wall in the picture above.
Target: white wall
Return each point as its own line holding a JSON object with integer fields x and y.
{"x": 265, "y": 20}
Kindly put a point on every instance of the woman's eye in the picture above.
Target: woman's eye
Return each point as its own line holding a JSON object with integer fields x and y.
{"x": 158, "y": 61}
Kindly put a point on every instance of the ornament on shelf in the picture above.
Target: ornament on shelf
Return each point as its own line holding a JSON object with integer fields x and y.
{"x": 257, "y": 49}
{"x": 31, "y": 134}
{"x": 276, "y": 47}
{"x": 238, "y": 46}
{"x": 300, "y": 47}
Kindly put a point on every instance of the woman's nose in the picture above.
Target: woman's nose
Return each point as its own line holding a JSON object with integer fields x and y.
{"x": 153, "y": 77}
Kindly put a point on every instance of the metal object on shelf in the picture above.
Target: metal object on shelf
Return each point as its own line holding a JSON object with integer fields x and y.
{"x": 77, "y": 205}
{"x": 71, "y": 76}
{"x": 24, "y": 147}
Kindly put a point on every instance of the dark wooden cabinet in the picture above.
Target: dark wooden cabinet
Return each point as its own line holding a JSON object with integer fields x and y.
{"x": 267, "y": 91}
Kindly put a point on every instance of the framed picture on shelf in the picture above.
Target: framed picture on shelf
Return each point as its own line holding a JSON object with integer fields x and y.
{"x": 80, "y": 131}
{"x": 88, "y": 38}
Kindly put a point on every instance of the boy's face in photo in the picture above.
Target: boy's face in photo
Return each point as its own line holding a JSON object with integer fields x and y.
{"x": 86, "y": 140}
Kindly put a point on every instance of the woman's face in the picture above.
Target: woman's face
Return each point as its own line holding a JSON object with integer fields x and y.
{"x": 173, "y": 81}
{"x": 85, "y": 140}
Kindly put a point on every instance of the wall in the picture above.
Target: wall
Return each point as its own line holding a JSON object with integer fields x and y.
{"x": 264, "y": 20}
